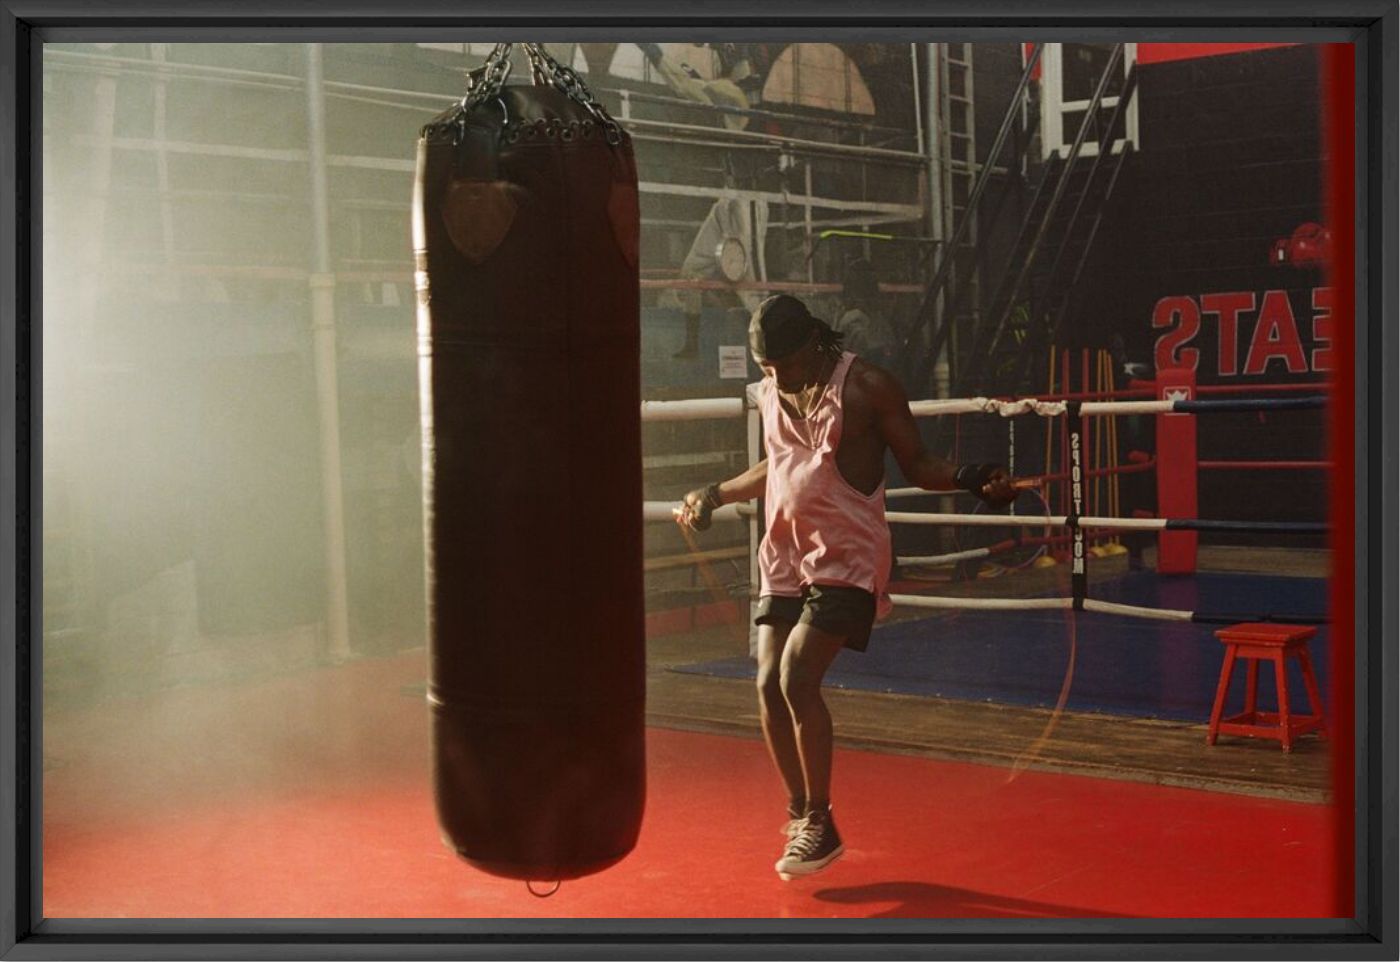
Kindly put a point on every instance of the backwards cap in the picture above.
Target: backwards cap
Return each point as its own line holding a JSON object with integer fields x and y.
{"x": 780, "y": 326}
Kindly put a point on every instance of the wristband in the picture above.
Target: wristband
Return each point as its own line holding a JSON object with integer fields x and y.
{"x": 973, "y": 477}
{"x": 712, "y": 497}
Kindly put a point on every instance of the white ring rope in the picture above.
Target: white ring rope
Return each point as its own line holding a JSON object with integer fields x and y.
{"x": 989, "y": 604}
{"x": 662, "y": 511}
{"x": 983, "y": 405}
{"x": 695, "y": 409}
{"x": 1124, "y": 524}
{"x": 986, "y": 520}
{"x": 1136, "y": 611}
{"x": 701, "y": 409}
{"x": 1040, "y": 604}
{"x": 1024, "y": 520}
{"x": 721, "y": 408}
{"x": 1129, "y": 407}
{"x": 945, "y": 559}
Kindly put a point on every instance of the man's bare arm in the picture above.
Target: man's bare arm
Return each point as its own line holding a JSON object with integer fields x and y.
{"x": 697, "y": 505}
{"x": 746, "y": 486}
{"x": 900, "y": 431}
{"x": 896, "y": 425}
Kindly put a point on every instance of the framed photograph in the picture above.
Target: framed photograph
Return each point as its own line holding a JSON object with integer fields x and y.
{"x": 642, "y": 480}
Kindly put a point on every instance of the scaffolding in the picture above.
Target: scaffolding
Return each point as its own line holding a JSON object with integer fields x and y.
{"x": 275, "y": 174}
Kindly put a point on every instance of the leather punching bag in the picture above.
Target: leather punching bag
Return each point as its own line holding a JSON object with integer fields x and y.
{"x": 525, "y": 231}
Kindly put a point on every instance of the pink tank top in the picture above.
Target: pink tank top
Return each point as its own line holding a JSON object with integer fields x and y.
{"x": 821, "y": 530}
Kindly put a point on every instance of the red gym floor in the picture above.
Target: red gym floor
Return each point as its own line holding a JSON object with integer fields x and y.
{"x": 308, "y": 796}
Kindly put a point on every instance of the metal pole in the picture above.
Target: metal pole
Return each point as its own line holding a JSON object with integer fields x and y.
{"x": 938, "y": 229}
{"x": 1029, "y": 261}
{"x": 807, "y": 215}
{"x": 918, "y": 99}
{"x": 169, "y": 289}
{"x": 322, "y": 283}
{"x": 946, "y": 262}
{"x": 79, "y": 352}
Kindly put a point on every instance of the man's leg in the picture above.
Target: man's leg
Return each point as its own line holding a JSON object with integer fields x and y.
{"x": 805, "y": 658}
{"x": 774, "y": 714}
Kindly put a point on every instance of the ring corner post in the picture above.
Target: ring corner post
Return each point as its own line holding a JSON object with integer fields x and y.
{"x": 1176, "y": 471}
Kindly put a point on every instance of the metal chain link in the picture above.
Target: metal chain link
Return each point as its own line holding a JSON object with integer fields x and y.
{"x": 486, "y": 82}
{"x": 567, "y": 81}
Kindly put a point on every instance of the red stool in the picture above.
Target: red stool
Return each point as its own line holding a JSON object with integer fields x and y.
{"x": 1257, "y": 642}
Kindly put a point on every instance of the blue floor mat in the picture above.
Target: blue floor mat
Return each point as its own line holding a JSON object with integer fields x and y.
{"x": 1125, "y": 666}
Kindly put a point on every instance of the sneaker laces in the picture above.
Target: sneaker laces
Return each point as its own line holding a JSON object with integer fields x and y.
{"x": 805, "y": 842}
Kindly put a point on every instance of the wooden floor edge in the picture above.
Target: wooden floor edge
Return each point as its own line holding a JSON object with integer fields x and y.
{"x": 1001, "y": 760}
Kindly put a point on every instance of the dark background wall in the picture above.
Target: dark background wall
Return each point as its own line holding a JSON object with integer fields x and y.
{"x": 1231, "y": 159}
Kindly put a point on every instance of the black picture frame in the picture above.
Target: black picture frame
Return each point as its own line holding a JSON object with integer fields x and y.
{"x": 1370, "y": 24}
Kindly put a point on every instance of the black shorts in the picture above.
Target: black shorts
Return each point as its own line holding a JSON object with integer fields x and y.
{"x": 849, "y": 612}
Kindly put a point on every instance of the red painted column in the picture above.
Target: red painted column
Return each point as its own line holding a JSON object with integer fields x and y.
{"x": 1176, "y": 471}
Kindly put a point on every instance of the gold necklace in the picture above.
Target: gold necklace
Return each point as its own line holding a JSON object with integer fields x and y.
{"x": 805, "y": 403}
{"x": 807, "y": 406}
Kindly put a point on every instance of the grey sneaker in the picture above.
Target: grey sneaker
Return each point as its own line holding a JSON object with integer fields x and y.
{"x": 815, "y": 846}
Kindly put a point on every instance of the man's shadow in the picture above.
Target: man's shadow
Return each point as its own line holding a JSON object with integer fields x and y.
{"x": 924, "y": 900}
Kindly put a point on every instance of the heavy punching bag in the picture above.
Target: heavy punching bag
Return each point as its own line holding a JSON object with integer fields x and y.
{"x": 525, "y": 230}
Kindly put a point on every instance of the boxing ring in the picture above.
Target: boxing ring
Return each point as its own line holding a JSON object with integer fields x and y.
{"x": 1078, "y": 522}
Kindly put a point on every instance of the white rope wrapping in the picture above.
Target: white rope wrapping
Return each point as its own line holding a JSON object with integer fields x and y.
{"x": 945, "y": 559}
{"x": 987, "y": 604}
{"x": 923, "y": 409}
{"x": 983, "y": 405}
{"x": 1136, "y": 611}
{"x": 1124, "y": 524}
{"x": 1030, "y": 405}
{"x": 1129, "y": 407}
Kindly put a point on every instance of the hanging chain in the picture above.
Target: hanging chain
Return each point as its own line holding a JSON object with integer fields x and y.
{"x": 486, "y": 82}
{"x": 567, "y": 81}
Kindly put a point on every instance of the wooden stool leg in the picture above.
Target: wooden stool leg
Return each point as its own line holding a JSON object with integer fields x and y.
{"x": 1226, "y": 670}
{"x": 1281, "y": 675}
{"x": 1314, "y": 699}
{"x": 1251, "y": 687}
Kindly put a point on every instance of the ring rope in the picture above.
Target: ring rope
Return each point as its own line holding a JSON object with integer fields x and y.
{"x": 1122, "y": 524}
{"x": 956, "y": 556}
{"x": 1013, "y": 408}
{"x": 662, "y": 511}
{"x": 943, "y": 602}
{"x": 697, "y": 409}
{"x": 987, "y": 604}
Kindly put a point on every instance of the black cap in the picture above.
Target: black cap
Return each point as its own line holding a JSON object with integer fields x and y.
{"x": 780, "y": 326}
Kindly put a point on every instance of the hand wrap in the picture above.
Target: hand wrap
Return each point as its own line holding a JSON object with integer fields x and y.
{"x": 708, "y": 502}
{"x": 974, "y": 477}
